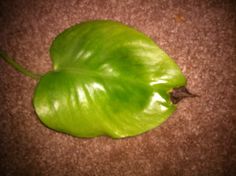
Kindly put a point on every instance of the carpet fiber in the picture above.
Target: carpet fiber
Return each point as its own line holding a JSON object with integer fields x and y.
{"x": 198, "y": 139}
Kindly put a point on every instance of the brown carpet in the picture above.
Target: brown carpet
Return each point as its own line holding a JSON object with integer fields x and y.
{"x": 197, "y": 140}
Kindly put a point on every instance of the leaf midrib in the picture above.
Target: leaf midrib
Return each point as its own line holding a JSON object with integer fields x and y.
{"x": 103, "y": 76}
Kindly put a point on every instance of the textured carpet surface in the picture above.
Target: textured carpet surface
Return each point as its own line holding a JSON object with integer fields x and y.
{"x": 198, "y": 139}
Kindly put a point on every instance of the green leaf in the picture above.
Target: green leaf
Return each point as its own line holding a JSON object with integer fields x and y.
{"x": 108, "y": 79}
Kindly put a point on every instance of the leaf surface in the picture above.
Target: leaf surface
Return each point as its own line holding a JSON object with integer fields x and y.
{"x": 108, "y": 79}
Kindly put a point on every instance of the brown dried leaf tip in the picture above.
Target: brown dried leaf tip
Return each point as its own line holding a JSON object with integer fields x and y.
{"x": 180, "y": 93}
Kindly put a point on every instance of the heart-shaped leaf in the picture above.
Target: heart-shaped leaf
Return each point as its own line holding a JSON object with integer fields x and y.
{"x": 108, "y": 79}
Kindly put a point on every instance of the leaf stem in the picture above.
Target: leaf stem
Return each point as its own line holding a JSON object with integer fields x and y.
{"x": 18, "y": 67}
